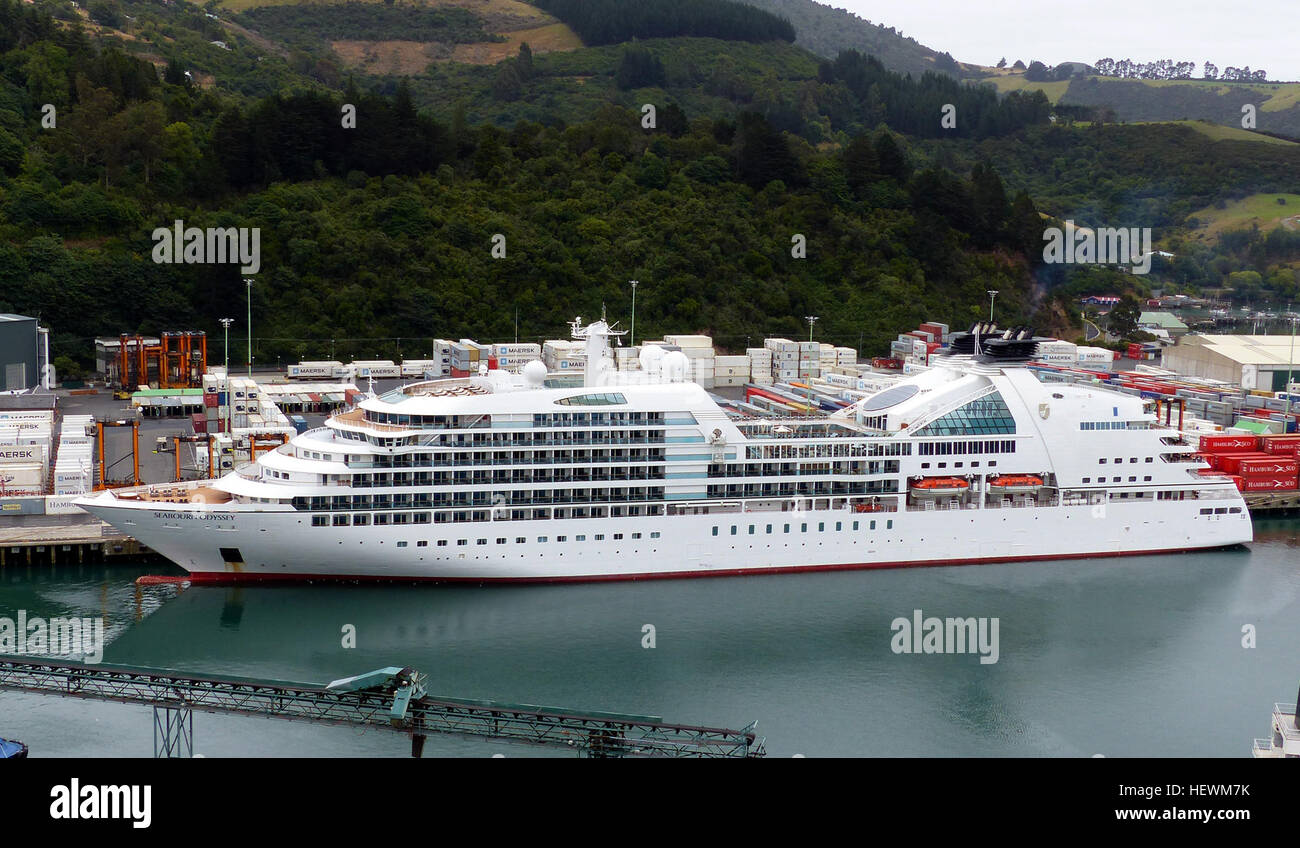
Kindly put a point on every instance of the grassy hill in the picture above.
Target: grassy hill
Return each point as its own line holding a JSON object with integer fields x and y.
{"x": 1277, "y": 104}
{"x": 826, "y": 31}
{"x": 499, "y": 27}
{"x": 1257, "y": 210}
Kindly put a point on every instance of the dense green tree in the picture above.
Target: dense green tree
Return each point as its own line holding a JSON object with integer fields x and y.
{"x": 1122, "y": 320}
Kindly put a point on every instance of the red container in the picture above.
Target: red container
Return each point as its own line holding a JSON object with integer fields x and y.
{"x": 1135, "y": 351}
{"x": 1232, "y": 462}
{"x": 459, "y": 372}
{"x": 1268, "y": 484}
{"x": 199, "y": 423}
{"x": 933, "y": 329}
{"x": 209, "y": 398}
{"x": 1279, "y": 444}
{"x": 1278, "y": 466}
{"x": 1228, "y": 444}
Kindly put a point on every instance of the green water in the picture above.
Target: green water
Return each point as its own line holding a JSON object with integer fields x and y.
{"x": 1139, "y": 656}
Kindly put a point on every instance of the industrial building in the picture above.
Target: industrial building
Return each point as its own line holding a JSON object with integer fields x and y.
{"x": 1163, "y": 323}
{"x": 1253, "y": 362}
{"x": 24, "y": 353}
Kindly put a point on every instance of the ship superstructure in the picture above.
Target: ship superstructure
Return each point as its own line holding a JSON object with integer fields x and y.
{"x": 497, "y": 477}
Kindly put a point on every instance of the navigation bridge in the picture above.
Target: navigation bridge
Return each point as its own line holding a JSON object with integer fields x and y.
{"x": 391, "y": 699}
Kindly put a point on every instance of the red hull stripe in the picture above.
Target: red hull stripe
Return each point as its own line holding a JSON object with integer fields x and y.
{"x": 222, "y": 578}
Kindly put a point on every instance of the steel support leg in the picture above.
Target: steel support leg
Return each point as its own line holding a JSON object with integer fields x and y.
{"x": 173, "y": 732}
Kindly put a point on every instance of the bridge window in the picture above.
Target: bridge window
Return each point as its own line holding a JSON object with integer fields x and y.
{"x": 986, "y": 415}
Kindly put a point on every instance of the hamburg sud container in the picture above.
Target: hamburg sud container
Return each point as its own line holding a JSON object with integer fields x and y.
{"x": 1228, "y": 444}
{"x": 1265, "y": 484}
{"x": 1260, "y": 466}
{"x": 1279, "y": 444}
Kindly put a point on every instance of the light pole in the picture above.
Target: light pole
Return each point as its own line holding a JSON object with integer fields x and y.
{"x": 226, "y": 322}
{"x": 811, "y": 319}
{"x": 1290, "y": 363}
{"x": 992, "y": 294}
{"x": 632, "y": 342}
{"x": 248, "y": 281}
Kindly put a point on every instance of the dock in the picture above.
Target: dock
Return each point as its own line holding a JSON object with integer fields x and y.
{"x": 1272, "y": 502}
{"x": 69, "y": 540}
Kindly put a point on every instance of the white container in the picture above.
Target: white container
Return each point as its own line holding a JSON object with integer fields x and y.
{"x": 689, "y": 342}
{"x": 22, "y": 475}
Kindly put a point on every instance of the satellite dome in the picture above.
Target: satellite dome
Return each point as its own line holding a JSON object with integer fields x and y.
{"x": 651, "y": 357}
{"x": 676, "y": 366}
{"x": 534, "y": 372}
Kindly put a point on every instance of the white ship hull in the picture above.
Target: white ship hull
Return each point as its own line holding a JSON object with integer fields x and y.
{"x": 279, "y": 545}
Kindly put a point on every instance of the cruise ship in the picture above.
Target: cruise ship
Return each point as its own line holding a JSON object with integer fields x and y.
{"x": 497, "y": 477}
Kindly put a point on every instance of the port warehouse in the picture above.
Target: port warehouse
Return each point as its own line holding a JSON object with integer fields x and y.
{"x": 24, "y": 353}
{"x": 1252, "y": 362}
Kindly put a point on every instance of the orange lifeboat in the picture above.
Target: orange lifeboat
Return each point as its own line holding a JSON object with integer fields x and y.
{"x": 940, "y": 487}
{"x": 941, "y": 483}
{"x": 1016, "y": 483}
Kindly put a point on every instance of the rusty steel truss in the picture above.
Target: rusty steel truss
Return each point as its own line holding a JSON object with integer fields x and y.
{"x": 399, "y": 706}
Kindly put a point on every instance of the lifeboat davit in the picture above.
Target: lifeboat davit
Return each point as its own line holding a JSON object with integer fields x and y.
{"x": 940, "y": 487}
{"x": 1011, "y": 484}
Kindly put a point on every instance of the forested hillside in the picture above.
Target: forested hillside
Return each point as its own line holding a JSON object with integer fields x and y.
{"x": 602, "y": 22}
{"x": 377, "y": 236}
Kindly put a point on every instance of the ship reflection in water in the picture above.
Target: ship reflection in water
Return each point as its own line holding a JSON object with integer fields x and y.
{"x": 1094, "y": 654}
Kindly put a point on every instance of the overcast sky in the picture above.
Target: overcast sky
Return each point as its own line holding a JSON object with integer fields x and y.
{"x": 1258, "y": 33}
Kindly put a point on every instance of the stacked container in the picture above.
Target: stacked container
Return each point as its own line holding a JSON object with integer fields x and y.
{"x": 25, "y": 450}
{"x": 514, "y": 355}
{"x": 785, "y": 359}
{"x": 1256, "y": 464}
{"x": 564, "y": 355}
{"x": 731, "y": 370}
{"x": 627, "y": 358}
{"x": 760, "y": 365}
{"x": 74, "y": 466}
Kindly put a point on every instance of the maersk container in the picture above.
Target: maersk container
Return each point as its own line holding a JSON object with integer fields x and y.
{"x": 22, "y": 475}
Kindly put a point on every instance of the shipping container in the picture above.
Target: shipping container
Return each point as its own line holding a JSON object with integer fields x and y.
{"x": 1245, "y": 465}
{"x": 1228, "y": 444}
{"x": 1266, "y": 484}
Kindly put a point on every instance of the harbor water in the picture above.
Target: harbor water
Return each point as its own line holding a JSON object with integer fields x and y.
{"x": 1154, "y": 656}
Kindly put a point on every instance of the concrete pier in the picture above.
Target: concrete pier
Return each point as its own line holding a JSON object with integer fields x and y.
{"x": 64, "y": 540}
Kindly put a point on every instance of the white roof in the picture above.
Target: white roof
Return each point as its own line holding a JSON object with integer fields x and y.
{"x": 1247, "y": 350}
